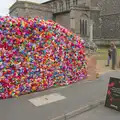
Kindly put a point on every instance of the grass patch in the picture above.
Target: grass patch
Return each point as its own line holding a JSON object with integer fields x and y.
{"x": 102, "y": 53}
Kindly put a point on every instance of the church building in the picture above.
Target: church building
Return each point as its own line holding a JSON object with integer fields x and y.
{"x": 91, "y": 19}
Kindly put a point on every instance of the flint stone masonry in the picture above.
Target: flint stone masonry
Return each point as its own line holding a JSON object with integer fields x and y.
{"x": 23, "y": 8}
{"x": 69, "y": 14}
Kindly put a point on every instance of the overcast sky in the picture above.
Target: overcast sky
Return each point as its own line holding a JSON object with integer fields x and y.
{"x": 5, "y": 4}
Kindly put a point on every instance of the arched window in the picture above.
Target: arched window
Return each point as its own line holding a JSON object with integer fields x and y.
{"x": 61, "y": 6}
{"x": 67, "y": 4}
{"x": 83, "y": 27}
{"x": 75, "y": 2}
{"x": 55, "y": 7}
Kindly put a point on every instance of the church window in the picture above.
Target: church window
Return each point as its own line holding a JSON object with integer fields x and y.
{"x": 75, "y": 2}
{"x": 83, "y": 27}
{"x": 55, "y": 7}
{"x": 80, "y": 26}
{"x": 61, "y": 6}
{"x": 67, "y": 4}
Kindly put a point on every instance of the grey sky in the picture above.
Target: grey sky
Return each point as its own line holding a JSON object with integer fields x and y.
{"x": 5, "y": 4}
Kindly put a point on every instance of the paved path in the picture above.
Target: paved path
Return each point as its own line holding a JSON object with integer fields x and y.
{"x": 77, "y": 95}
{"x": 101, "y": 67}
{"x": 99, "y": 113}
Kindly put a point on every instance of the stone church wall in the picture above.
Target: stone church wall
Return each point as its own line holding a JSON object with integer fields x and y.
{"x": 111, "y": 26}
{"x": 110, "y": 22}
{"x": 22, "y": 8}
{"x": 94, "y": 15}
{"x": 63, "y": 19}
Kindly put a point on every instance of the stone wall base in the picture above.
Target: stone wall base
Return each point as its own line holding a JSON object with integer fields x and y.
{"x": 106, "y": 42}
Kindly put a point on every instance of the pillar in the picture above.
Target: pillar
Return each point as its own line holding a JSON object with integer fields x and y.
{"x": 91, "y": 30}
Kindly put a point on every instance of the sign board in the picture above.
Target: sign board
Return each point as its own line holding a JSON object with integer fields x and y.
{"x": 113, "y": 94}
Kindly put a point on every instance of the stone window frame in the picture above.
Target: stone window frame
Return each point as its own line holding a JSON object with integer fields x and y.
{"x": 55, "y": 8}
{"x": 61, "y": 6}
{"x": 84, "y": 25}
{"x": 75, "y": 2}
{"x": 67, "y": 4}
